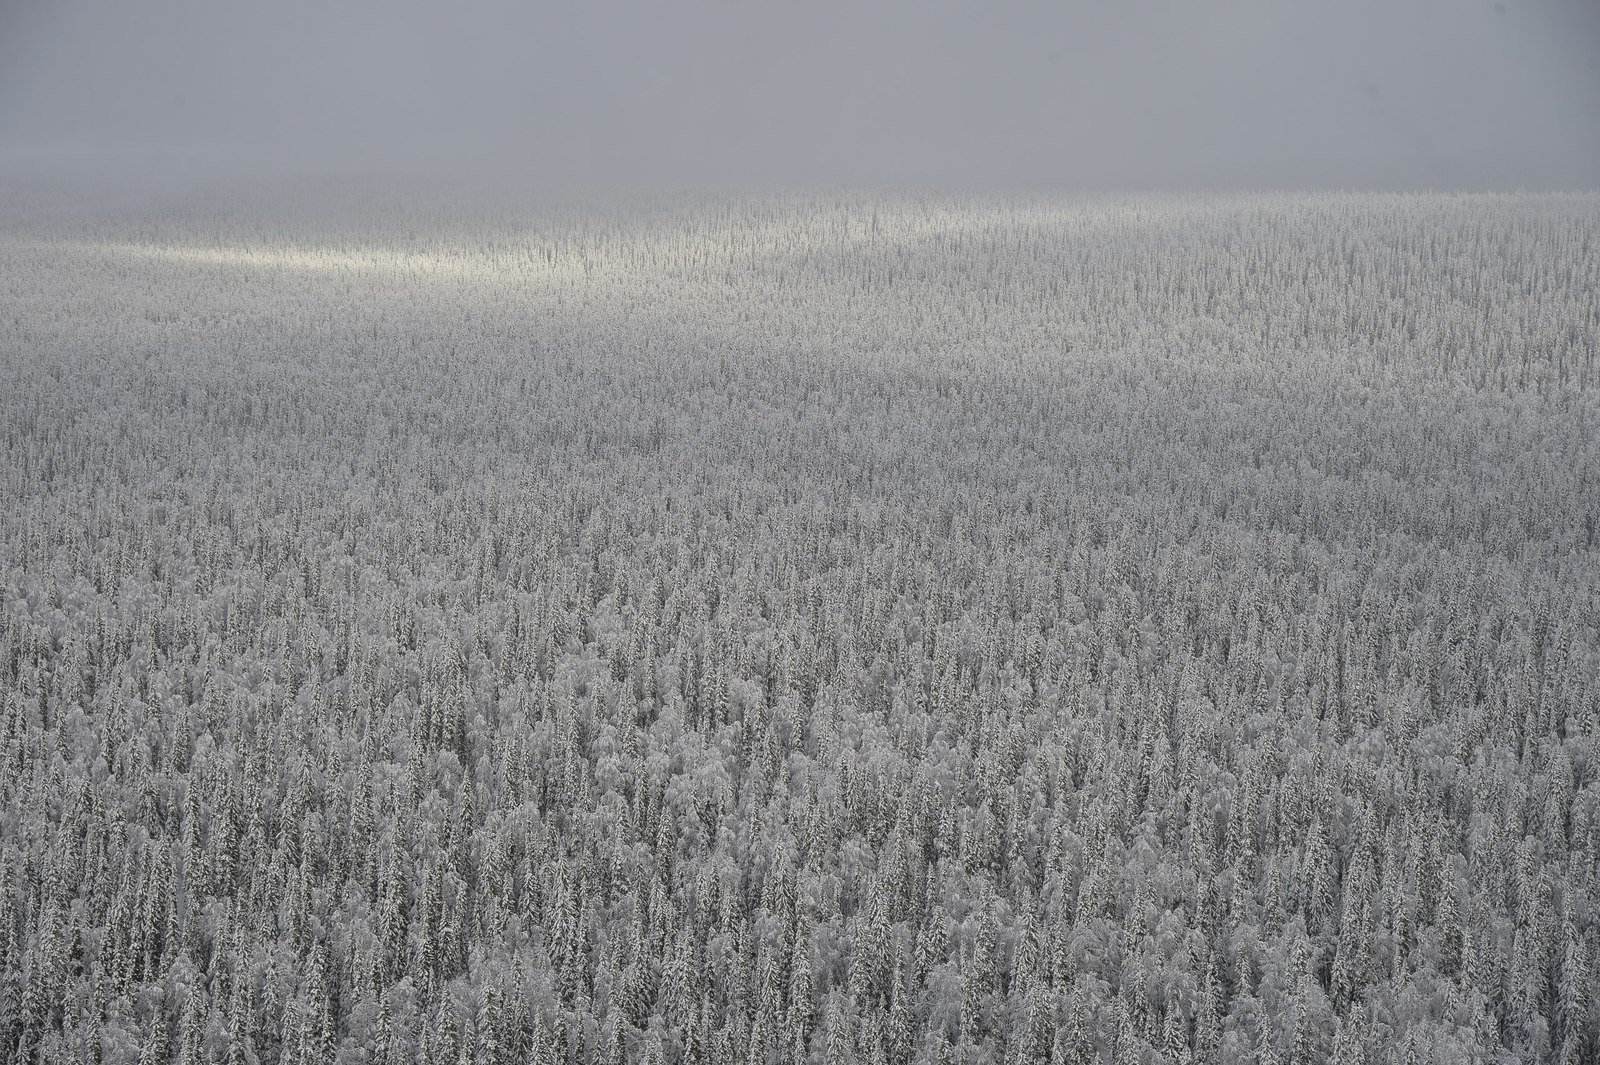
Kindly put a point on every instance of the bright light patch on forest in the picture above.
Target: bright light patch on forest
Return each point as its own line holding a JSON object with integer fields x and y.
{"x": 825, "y": 627}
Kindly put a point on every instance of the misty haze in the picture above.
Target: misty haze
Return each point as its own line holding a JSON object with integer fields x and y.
{"x": 837, "y": 534}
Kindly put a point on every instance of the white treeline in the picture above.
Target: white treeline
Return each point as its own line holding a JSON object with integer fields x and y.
{"x": 825, "y": 627}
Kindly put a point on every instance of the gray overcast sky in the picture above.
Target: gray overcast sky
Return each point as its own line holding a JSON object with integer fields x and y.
{"x": 1110, "y": 93}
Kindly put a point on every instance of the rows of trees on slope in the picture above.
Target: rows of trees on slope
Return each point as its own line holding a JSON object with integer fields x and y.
{"x": 837, "y": 630}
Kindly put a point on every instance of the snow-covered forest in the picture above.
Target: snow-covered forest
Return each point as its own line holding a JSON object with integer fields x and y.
{"x": 820, "y": 627}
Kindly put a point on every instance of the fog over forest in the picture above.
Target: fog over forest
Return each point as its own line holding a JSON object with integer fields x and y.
{"x": 886, "y": 534}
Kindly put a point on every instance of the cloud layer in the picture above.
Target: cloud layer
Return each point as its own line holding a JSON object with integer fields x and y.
{"x": 1144, "y": 93}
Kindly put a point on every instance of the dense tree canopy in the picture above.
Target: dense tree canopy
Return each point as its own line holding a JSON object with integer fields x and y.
{"x": 830, "y": 628}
